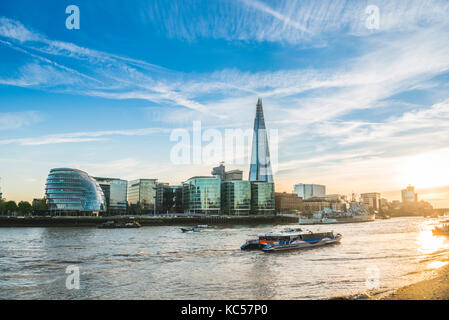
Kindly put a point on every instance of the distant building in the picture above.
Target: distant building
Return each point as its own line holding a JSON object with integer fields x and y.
{"x": 142, "y": 194}
{"x": 234, "y": 175}
{"x": 287, "y": 202}
{"x": 371, "y": 200}
{"x": 262, "y": 198}
{"x": 224, "y": 175}
{"x": 307, "y": 191}
{"x": 236, "y": 197}
{"x": 219, "y": 171}
{"x": 383, "y": 204}
{"x": 334, "y": 202}
{"x": 116, "y": 193}
{"x": 202, "y": 195}
{"x": 73, "y": 191}
{"x": 177, "y": 199}
{"x": 409, "y": 195}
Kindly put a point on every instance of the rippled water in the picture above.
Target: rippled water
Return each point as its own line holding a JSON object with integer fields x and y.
{"x": 163, "y": 263}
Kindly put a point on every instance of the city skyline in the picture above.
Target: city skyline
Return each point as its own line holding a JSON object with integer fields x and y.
{"x": 357, "y": 109}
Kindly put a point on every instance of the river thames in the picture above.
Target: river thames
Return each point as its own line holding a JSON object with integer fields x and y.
{"x": 164, "y": 263}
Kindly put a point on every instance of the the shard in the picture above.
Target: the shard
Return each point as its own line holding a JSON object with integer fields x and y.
{"x": 260, "y": 169}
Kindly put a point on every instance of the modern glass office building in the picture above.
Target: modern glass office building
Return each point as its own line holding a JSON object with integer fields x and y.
{"x": 236, "y": 197}
{"x": 72, "y": 190}
{"x": 202, "y": 195}
{"x": 142, "y": 194}
{"x": 116, "y": 194}
{"x": 262, "y": 198}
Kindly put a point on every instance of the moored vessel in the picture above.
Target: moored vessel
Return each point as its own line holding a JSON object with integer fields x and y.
{"x": 195, "y": 229}
{"x": 357, "y": 213}
{"x": 119, "y": 225}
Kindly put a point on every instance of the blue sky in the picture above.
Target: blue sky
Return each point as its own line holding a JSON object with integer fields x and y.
{"x": 357, "y": 109}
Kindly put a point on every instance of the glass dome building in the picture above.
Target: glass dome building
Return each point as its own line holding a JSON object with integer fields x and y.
{"x": 73, "y": 190}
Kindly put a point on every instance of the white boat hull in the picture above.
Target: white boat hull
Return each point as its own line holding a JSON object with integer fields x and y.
{"x": 301, "y": 244}
{"x": 353, "y": 219}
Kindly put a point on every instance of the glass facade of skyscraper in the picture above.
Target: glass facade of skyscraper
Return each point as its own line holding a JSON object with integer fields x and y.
{"x": 236, "y": 197}
{"x": 202, "y": 195}
{"x": 262, "y": 198}
{"x": 142, "y": 194}
{"x": 115, "y": 191}
{"x": 73, "y": 190}
{"x": 260, "y": 168}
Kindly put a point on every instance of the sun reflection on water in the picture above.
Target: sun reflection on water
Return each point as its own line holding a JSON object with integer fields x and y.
{"x": 428, "y": 243}
{"x": 437, "y": 264}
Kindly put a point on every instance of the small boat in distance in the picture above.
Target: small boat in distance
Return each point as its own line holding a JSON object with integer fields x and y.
{"x": 119, "y": 225}
{"x": 204, "y": 226}
{"x": 442, "y": 230}
{"x": 289, "y": 239}
{"x": 184, "y": 230}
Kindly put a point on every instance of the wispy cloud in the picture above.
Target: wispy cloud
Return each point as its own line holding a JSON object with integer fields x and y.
{"x": 14, "y": 120}
{"x": 307, "y": 22}
{"x": 82, "y": 136}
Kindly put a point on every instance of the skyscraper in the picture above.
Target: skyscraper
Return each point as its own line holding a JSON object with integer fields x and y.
{"x": 260, "y": 169}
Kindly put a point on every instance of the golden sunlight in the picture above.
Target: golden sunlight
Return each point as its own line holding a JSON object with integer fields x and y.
{"x": 429, "y": 243}
{"x": 425, "y": 170}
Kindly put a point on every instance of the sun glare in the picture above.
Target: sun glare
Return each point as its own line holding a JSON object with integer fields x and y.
{"x": 425, "y": 170}
{"x": 429, "y": 243}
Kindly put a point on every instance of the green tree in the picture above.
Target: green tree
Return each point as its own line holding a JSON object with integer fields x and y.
{"x": 10, "y": 207}
{"x": 25, "y": 207}
{"x": 40, "y": 206}
{"x": 2, "y": 206}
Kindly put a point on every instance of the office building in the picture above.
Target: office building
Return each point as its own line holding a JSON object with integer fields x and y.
{"x": 371, "y": 200}
{"x": 307, "y": 191}
{"x": 260, "y": 168}
{"x": 177, "y": 199}
{"x": 142, "y": 195}
{"x": 287, "y": 202}
{"x": 224, "y": 175}
{"x": 236, "y": 197}
{"x": 262, "y": 198}
{"x": 73, "y": 191}
{"x": 202, "y": 195}
{"x": 333, "y": 202}
{"x": 116, "y": 194}
{"x": 409, "y": 195}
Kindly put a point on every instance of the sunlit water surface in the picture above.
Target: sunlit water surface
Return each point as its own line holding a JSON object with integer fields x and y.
{"x": 163, "y": 263}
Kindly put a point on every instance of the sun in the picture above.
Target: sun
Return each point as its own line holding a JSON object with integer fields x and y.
{"x": 425, "y": 170}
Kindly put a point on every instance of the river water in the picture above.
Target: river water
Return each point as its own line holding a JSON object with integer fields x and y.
{"x": 163, "y": 263}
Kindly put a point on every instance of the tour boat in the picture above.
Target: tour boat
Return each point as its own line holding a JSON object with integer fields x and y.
{"x": 291, "y": 239}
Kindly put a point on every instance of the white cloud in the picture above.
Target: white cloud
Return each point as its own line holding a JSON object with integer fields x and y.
{"x": 14, "y": 120}
{"x": 76, "y": 137}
